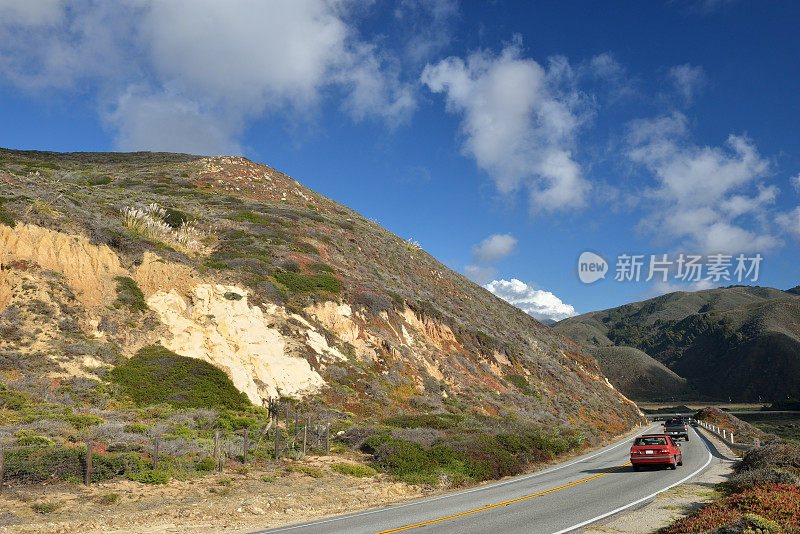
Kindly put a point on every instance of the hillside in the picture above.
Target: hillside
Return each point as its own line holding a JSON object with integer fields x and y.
{"x": 288, "y": 292}
{"x": 740, "y": 342}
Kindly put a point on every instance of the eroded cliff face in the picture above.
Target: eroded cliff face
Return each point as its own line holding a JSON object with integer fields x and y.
{"x": 218, "y": 325}
{"x": 89, "y": 269}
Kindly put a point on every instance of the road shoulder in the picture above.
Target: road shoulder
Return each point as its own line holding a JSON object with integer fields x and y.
{"x": 676, "y": 502}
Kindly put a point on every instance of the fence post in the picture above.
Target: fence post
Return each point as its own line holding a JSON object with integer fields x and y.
{"x": 216, "y": 444}
{"x": 327, "y": 438}
{"x": 155, "y": 453}
{"x": 277, "y": 442}
{"x": 305, "y": 435}
{"x": 88, "y": 474}
{"x": 732, "y": 441}
{"x": 244, "y": 456}
{"x": 2, "y": 465}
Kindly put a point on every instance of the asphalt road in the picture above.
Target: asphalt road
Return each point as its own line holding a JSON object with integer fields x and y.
{"x": 556, "y": 500}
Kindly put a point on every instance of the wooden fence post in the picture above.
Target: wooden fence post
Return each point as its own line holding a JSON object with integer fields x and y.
{"x": 305, "y": 435}
{"x": 87, "y": 479}
{"x": 155, "y": 453}
{"x": 277, "y": 442}
{"x": 244, "y": 456}
{"x": 327, "y": 438}
{"x": 216, "y": 444}
{"x": 2, "y": 466}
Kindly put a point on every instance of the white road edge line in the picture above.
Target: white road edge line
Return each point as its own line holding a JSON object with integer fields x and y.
{"x": 634, "y": 503}
{"x": 457, "y": 493}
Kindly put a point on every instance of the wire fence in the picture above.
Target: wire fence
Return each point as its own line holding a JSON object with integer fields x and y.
{"x": 288, "y": 432}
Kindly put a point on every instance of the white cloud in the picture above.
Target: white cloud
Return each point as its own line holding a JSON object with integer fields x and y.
{"x": 688, "y": 80}
{"x": 542, "y": 305}
{"x": 660, "y": 287}
{"x": 795, "y": 181}
{"x": 703, "y": 194}
{"x": 790, "y": 222}
{"x": 426, "y": 25}
{"x": 480, "y": 275}
{"x": 31, "y": 14}
{"x": 518, "y": 121}
{"x": 169, "y": 123}
{"x": 232, "y": 60}
{"x": 494, "y": 248}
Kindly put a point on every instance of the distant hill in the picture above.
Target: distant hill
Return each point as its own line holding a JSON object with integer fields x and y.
{"x": 741, "y": 342}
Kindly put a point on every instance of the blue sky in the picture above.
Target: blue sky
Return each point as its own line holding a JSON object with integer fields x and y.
{"x": 505, "y": 137}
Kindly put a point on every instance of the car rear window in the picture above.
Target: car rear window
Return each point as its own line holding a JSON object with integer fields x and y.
{"x": 650, "y": 441}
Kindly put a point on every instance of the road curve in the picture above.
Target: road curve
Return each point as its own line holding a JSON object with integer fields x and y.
{"x": 560, "y": 499}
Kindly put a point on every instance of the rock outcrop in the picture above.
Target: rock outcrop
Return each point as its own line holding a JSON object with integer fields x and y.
{"x": 218, "y": 325}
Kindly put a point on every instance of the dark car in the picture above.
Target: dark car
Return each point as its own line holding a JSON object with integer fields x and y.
{"x": 655, "y": 449}
{"x": 677, "y": 427}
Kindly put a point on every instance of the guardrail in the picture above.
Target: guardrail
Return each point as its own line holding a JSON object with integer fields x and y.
{"x": 727, "y": 437}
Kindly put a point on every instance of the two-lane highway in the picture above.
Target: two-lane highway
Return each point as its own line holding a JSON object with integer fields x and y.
{"x": 556, "y": 500}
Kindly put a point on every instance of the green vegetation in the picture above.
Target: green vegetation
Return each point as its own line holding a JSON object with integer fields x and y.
{"x": 206, "y": 464}
{"x": 313, "y": 472}
{"x": 6, "y": 218}
{"x": 302, "y": 283}
{"x": 149, "y": 476}
{"x": 46, "y": 507}
{"x": 319, "y": 267}
{"x": 466, "y": 455}
{"x": 522, "y": 384}
{"x": 175, "y": 218}
{"x": 10, "y": 399}
{"x": 129, "y": 294}
{"x": 157, "y": 375}
{"x": 108, "y": 499}
{"x": 354, "y": 470}
{"x": 440, "y": 421}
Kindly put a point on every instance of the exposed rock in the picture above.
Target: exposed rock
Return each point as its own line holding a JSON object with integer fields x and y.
{"x": 89, "y": 269}
{"x": 237, "y": 338}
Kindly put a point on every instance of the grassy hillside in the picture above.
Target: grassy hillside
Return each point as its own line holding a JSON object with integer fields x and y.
{"x": 740, "y": 342}
{"x": 259, "y": 279}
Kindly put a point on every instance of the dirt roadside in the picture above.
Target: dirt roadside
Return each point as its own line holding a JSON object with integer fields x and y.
{"x": 677, "y": 502}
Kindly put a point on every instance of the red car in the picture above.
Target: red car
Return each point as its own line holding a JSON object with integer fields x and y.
{"x": 655, "y": 449}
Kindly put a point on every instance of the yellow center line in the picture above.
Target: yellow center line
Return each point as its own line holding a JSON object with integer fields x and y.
{"x": 504, "y": 503}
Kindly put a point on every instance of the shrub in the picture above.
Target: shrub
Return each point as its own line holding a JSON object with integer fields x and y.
{"x": 206, "y": 464}
{"x": 319, "y": 267}
{"x": 354, "y": 470}
{"x": 129, "y": 294}
{"x": 11, "y": 399}
{"x": 303, "y": 283}
{"x": 32, "y": 439}
{"x": 310, "y": 471}
{"x": 267, "y": 479}
{"x": 153, "y": 477}
{"x": 437, "y": 421}
{"x": 6, "y": 218}
{"x": 156, "y": 375}
{"x": 136, "y": 428}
